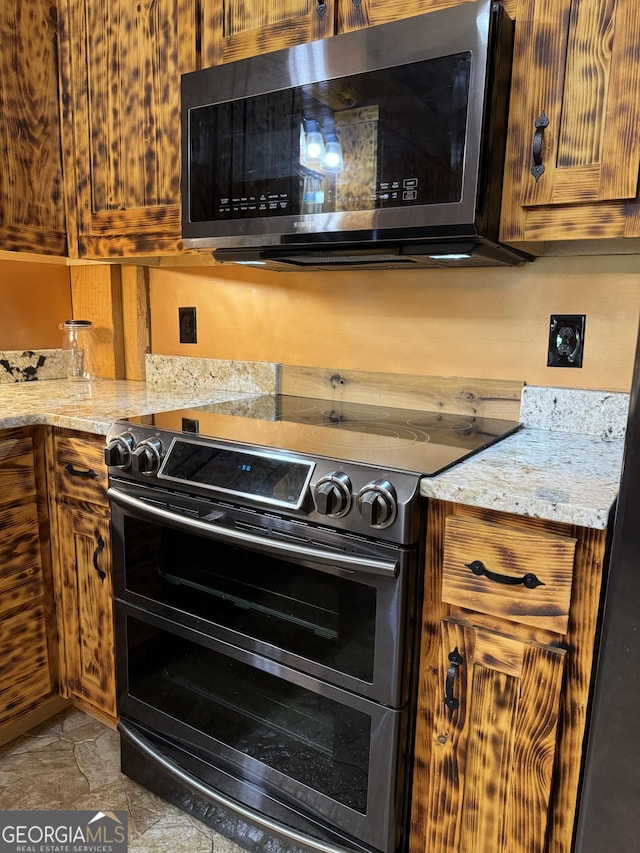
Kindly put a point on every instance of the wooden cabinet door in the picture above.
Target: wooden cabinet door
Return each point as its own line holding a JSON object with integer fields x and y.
{"x": 87, "y": 608}
{"x": 28, "y": 649}
{"x": 494, "y": 741}
{"x": 235, "y": 29}
{"x": 577, "y": 73}
{"x": 32, "y": 217}
{"x": 355, "y": 14}
{"x": 120, "y": 66}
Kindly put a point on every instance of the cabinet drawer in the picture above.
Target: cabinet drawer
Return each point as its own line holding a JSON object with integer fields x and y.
{"x": 521, "y": 575}
{"x": 80, "y": 470}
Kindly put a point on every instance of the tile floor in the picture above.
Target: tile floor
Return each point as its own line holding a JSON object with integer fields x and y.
{"x": 73, "y": 762}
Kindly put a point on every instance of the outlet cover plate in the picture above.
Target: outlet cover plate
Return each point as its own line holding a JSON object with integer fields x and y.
{"x": 566, "y": 340}
{"x": 188, "y": 330}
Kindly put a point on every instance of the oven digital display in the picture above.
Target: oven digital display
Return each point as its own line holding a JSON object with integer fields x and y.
{"x": 280, "y": 480}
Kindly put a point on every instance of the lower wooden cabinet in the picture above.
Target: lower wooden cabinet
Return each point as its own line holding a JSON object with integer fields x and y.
{"x": 494, "y": 742}
{"x": 82, "y": 547}
{"x": 28, "y": 638}
{"x": 509, "y": 630}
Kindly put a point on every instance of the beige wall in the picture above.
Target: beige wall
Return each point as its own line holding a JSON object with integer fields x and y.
{"x": 475, "y": 323}
{"x": 35, "y": 298}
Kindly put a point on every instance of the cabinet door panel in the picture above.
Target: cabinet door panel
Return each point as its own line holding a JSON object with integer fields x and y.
{"x": 120, "y": 74}
{"x": 577, "y": 64}
{"x": 353, "y": 14}
{"x": 233, "y": 29}
{"x": 493, "y": 748}
{"x": 87, "y": 607}
{"x": 32, "y": 217}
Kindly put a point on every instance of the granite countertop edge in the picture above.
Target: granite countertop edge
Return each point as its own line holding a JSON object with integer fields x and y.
{"x": 93, "y": 406}
{"x": 565, "y": 477}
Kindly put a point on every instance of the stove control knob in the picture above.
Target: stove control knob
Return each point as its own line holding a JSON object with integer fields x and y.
{"x": 117, "y": 454}
{"x": 332, "y": 495}
{"x": 377, "y": 504}
{"x": 147, "y": 456}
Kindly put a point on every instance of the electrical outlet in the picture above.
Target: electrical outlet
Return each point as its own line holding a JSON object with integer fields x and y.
{"x": 188, "y": 331}
{"x": 566, "y": 340}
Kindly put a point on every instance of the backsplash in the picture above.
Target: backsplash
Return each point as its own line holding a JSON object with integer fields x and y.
{"x": 31, "y": 365}
{"x": 600, "y": 413}
{"x": 184, "y": 373}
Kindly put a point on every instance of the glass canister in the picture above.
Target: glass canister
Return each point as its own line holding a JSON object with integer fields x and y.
{"x": 79, "y": 344}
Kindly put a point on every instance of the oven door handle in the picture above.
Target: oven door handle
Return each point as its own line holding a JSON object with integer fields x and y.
{"x": 187, "y": 779}
{"x": 273, "y": 547}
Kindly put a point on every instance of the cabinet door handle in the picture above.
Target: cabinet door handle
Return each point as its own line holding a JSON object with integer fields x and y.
{"x": 538, "y": 166}
{"x": 455, "y": 660}
{"x": 321, "y": 8}
{"x": 356, "y": 3}
{"x": 86, "y": 473}
{"x": 529, "y": 579}
{"x": 100, "y": 543}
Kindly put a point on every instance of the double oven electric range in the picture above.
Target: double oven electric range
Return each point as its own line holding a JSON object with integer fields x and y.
{"x": 268, "y": 559}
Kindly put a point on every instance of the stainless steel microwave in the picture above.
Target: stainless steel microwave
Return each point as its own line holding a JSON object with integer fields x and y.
{"x": 379, "y": 148}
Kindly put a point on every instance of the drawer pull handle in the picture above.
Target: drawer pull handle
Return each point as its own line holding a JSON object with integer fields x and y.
{"x": 87, "y": 473}
{"x": 455, "y": 660}
{"x": 529, "y": 579}
{"x": 538, "y": 166}
{"x": 100, "y": 543}
{"x": 321, "y": 8}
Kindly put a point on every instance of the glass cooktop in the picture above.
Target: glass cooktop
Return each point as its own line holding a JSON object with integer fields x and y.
{"x": 387, "y": 437}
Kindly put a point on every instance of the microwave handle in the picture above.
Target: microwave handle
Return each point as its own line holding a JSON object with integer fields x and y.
{"x": 148, "y": 749}
{"x": 273, "y": 547}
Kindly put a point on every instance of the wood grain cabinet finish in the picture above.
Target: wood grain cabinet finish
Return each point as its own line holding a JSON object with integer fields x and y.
{"x": 120, "y": 67}
{"x": 503, "y": 692}
{"x": 495, "y": 741}
{"x": 233, "y": 29}
{"x": 516, "y": 574}
{"x": 32, "y": 215}
{"x": 82, "y": 539}
{"x": 577, "y": 72}
{"x": 28, "y": 650}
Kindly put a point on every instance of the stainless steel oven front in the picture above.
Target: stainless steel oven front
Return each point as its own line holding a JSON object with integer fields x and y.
{"x": 267, "y": 664}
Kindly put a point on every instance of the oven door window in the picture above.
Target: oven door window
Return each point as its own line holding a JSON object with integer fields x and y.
{"x": 345, "y": 623}
{"x": 252, "y": 714}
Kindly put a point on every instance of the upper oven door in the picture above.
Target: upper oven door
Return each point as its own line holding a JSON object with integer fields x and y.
{"x": 338, "y": 608}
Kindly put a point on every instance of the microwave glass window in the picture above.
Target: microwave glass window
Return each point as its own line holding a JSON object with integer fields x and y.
{"x": 389, "y": 138}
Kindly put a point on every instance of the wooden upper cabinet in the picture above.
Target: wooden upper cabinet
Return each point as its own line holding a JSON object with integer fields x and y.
{"x": 576, "y": 73}
{"x": 355, "y": 14}
{"x": 233, "y": 29}
{"x": 120, "y": 66}
{"x": 236, "y": 29}
{"x": 32, "y": 217}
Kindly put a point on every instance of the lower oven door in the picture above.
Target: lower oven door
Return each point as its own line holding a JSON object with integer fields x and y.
{"x": 336, "y": 607}
{"x": 267, "y": 736}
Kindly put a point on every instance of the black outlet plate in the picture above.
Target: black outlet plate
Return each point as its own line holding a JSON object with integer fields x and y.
{"x": 566, "y": 340}
{"x": 188, "y": 330}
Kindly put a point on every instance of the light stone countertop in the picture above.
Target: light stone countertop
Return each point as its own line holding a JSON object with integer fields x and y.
{"x": 93, "y": 406}
{"x": 539, "y": 471}
{"x": 556, "y": 476}
{"x": 564, "y": 465}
